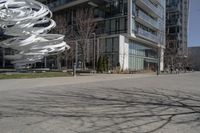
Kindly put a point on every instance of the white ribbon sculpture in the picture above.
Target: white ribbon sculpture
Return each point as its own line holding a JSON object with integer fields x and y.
{"x": 27, "y": 22}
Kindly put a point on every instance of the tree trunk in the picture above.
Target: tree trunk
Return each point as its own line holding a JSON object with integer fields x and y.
{"x": 84, "y": 62}
{"x": 66, "y": 60}
{"x": 58, "y": 62}
{"x": 84, "y": 54}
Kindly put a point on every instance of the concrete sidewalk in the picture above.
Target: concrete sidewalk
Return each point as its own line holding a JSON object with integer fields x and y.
{"x": 12, "y": 84}
{"x": 101, "y": 104}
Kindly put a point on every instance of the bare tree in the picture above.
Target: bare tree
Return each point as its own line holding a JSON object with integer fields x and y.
{"x": 65, "y": 29}
{"x": 60, "y": 29}
{"x": 84, "y": 27}
{"x": 79, "y": 31}
{"x": 170, "y": 54}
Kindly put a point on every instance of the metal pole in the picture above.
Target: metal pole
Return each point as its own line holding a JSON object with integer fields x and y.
{"x": 76, "y": 60}
{"x": 158, "y": 64}
{"x": 94, "y": 51}
{"x": 97, "y": 49}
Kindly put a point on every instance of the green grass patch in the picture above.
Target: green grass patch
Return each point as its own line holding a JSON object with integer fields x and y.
{"x": 34, "y": 75}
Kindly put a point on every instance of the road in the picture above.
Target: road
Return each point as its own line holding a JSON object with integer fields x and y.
{"x": 102, "y": 104}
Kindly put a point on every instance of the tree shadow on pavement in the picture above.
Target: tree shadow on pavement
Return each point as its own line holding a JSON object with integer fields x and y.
{"x": 107, "y": 109}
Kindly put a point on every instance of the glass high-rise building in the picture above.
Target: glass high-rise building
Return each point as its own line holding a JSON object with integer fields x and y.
{"x": 176, "y": 30}
{"x": 129, "y": 32}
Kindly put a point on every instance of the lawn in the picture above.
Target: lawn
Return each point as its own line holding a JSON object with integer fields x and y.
{"x": 34, "y": 75}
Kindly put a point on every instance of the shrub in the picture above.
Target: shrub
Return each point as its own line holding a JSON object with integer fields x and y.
{"x": 105, "y": 63}
{"x": 100, "y": 65}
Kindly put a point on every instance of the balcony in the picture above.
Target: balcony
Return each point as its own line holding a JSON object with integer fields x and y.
{"x": 173, "y": 8}
{"x": 156, "y": 1}
{"x": 145, "y": 19}
{"x": 62, "y": 4}
{"x": 147, "y": 35}
{"x": 173, "y": 22}
{"x": 58, "y": 3}
{"x": 149, "y": 7}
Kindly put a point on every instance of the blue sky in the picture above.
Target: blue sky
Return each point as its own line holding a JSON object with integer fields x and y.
{"x": 194, "y": 23}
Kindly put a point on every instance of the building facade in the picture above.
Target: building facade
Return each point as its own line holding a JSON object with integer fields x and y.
{"x": 193, "y": 58}
{"x": 176, "y": 30}
{"x": 129, "y": 32}
{"x": 3, "y": 52}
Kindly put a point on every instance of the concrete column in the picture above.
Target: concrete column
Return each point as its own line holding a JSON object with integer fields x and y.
{"x": 130, "y": 15}
{"x": 161, "y": 52}
{"x": 123, "y": 52}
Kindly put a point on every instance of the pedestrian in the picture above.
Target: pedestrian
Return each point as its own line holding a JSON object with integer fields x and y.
{"x": 171, "y": 69}
{"x": 177, "y": 70}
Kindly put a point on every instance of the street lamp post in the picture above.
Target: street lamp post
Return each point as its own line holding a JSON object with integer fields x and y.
{"x": 94, "y": 51}
{"x": 158, "y": 62}
{"x": 76, "y": 59}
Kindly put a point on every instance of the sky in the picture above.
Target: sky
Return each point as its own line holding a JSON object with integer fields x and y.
{"x": 194, "y": 23}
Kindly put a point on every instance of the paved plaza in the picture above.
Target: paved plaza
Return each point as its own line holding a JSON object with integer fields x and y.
{"x": 135, "y": 103}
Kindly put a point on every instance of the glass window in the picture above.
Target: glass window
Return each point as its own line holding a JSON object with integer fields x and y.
{"x": 115, "y": 59}
{"x": 115, "y": 44}
{"x": 133, "y": 8}
{"x": 113, "y": 25}
{"x": 109, "y": 60}
{"x": 138, "y": 53}
{"x": 122, "y": 24}
{"x": 109, "y": 45}
{"x": 116, "y": 25}
{"x": 133, "y": 25}
{"x": 130, "y": 62}
{"x": 102, "y": 45}
{"x": 107, "y": 26}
